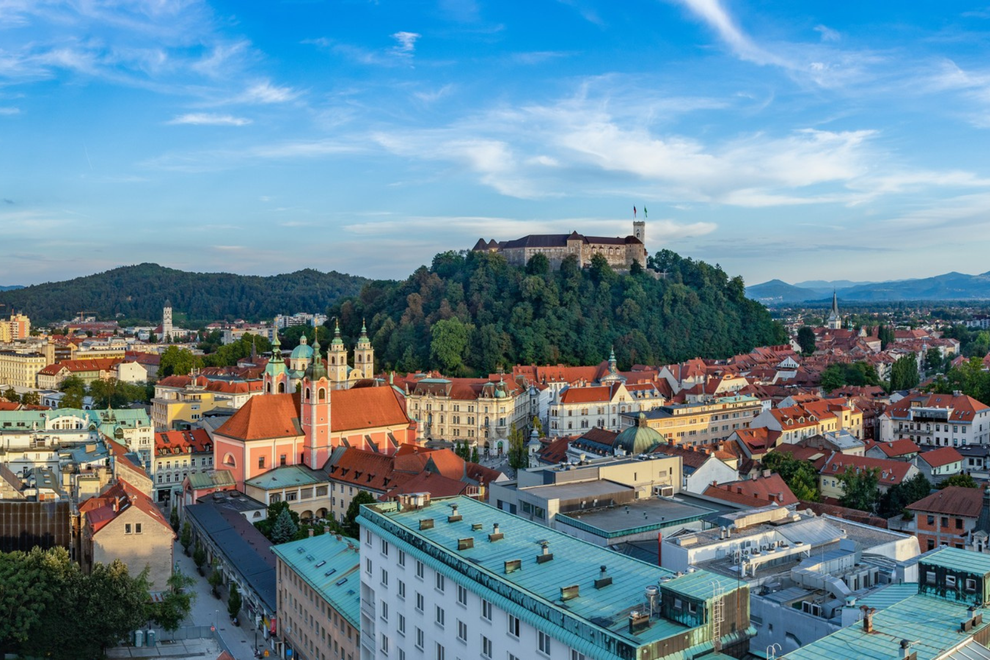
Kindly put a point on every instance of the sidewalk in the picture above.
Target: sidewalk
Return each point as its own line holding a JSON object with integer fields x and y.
{"x": 209, "y": 611}
{"x": 190, "y": 648}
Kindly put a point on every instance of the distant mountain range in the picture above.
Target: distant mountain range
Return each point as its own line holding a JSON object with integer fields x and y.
{"x": 12, "y": 287}
{"x": 950, "y": 286}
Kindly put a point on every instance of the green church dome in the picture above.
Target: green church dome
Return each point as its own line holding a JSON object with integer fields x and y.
{"x": 303, "y": 351}
{"x": 638, "y": 439}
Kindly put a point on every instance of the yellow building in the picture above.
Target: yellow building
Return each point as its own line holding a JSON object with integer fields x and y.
{"x": 17, "y": 326}
{"x": 701, "y": 423}
{"x": 20, "y": 368}
{"x": 186, "y": 407}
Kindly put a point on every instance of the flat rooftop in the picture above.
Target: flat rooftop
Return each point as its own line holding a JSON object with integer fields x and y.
{"x": 577, "y": 489}
{"x": 639, "y": 516}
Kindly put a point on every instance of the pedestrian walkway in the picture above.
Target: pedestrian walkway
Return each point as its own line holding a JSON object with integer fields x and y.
{"x": 210, "y": 611}
{"x": 188, "y": 648}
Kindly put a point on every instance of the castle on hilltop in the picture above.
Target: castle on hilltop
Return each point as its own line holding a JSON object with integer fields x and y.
{"x": 621, "y": 252}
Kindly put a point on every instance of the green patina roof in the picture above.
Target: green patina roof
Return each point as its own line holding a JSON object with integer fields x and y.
{"x": 930, "y": 624}
{"x": 575, "y": 562}
{"x": 638, "y": 439}
{"x": 211, "y": 479}
{"x": 889, "y": 595}
{"x": 303, "y": 351}
{"x": 959, "y": 560}
{"x": 124, "y": 418}
{"x": 330, "y": 567}
{"x": 286, "y": 476}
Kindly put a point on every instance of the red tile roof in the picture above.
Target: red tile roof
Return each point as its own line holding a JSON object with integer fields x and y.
{"x": 81, "y": 366}
{"x": 754, "y": 492}
{"x": 100, "y": 510}
{"x": 556, "y": 450}
{"x": 941, "y": 456}
{"x": 263, "y": 417}
{"x": 963, "y": 407}
{"x": 895, "y": 448}
{"x": 595, "y": 394}
{"x": 364, "y": 408}
{"x": 180, "y": 442}
{"x": 890, "y": 472}
{"x": 952, "y": 500}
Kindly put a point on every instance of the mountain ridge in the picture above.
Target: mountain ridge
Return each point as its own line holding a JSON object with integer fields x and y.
{"x": 947, "y": 286}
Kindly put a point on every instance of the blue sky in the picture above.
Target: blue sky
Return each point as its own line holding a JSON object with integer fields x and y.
{"x": 778, "y": 139}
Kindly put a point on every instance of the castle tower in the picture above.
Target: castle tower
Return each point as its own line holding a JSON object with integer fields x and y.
{"x": 639, "y": 230}
{"x": 364, "y": 354}
{"x": 276, "y": 376}
{"x": 337, "y": 361}
{"x": 167, "y": 330}
{"x": 314, "y": 411}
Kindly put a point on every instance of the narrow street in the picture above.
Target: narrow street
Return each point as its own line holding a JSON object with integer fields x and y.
{"x": 210, "y": 611}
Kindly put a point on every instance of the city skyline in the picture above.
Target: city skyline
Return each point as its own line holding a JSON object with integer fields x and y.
{"x": 780, "y": 142}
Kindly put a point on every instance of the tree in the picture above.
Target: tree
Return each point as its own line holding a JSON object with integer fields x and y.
{"x": 176, "y": 603}
{"x": 474, "y": 454}
{"x": 934, "y": 361}
{"x": 860, "y": 489}
{"x": 800, "y": 476}
{"x": 30, "y": 399}
{"x": 962, "y": 480}
{"x": 275, "y": 509}
{"x": 806, "y": 340}
{"x": 886, "y": 335}
{"x": 538, "y": 264}
{"x": 199, "y": 556}
{"x": 10, "y": 394}
{"x": 899, "y": 496}
{"x": 233, "y": 602}
{"x": 904, "y": 373}
{"x": 185, "y": 537}
{"x": 350, "y": 525}
{"x": 177, "y": 361}
{"x": 832, "y": 378}
{"x": 284, "y": 529}
{"x": 215, "y": 580}
{"x": 173, "y": 518}
{"x": 518, "y": 453}
{"x": 449, "y": 343}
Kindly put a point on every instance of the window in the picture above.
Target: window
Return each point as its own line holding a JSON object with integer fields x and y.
{"x": 261, "y": 462}
{"x": 384, "y": 578}
{"x": 441, "y": 652}
{"x": 367, "y": 566}
{"x": 931, "y": 520}
{"x": 402, "y": 625}
{"x": 367, "y": 536}
{"x": 959, "y": 523}
{"x": 419, "y": 569}
{"x": 384, "y": 644}
{"x": 419, "y": 601}
{"x": 930, "y": 577}
{"x": 577, "y": 656}
{"x": 385, "y": 547}
{"x": 944, "y": 521}
{"x": 513, "y": 626}
{"x": 461, "y": 630}
{"x": 543, "y": 642}
{"x": 486, "y": 647}
{"x": 402, "y": 590}
{"x": 402, "y": 558}
{"x": 461, "y": 595}
{"x": 384, "y": 614}
{"x": 486, "y": 610}
{"x": 127, "y": 528}
{"x": 970, "y": 584}
{"x": 281, "y": 459}
{"x": 440, "y": 616}
{"x": 419, "y": 639}
{"x": 137, "y": 528}
{"x": 950, "y": 581}
{"x": 441, "y": 582}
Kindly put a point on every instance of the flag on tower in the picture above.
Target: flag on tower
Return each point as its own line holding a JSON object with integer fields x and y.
{"x": 634, "y": 211}
{"x": 644, "y": 212}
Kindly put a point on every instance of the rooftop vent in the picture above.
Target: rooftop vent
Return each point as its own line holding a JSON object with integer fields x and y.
{"x": 513, "y": 565}
{"x": 454, "y": 516}
{"x": 571, "y": 592}
{"x": 464, "y": 544}
{"x": 495, "y": 535}
{"x": 638, "y": 622}
{"x": 603, "y": 579}
{"x": 426, "y": 523}
{"x": 476, "y": 527}
{"x": 545, "y": 555}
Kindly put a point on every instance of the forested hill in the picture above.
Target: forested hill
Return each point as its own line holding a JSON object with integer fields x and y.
{"x": 138, "y": 292}
{"x": 471, "y": 314}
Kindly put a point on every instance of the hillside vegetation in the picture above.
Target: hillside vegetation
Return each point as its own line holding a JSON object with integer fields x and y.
{"x": 138, "y": 292}
{"x": 473, "y": 314}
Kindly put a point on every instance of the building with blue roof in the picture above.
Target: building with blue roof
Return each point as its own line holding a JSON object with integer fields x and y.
{"x": 322, "y": 572}
{"x": 460, "y": 578}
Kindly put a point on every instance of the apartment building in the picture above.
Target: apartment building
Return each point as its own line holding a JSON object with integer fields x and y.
{"x": 940, "y": 420}
{"x": 705, "y": 422}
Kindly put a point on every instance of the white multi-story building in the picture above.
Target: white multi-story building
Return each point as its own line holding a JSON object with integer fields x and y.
{"x": 940, "y": 420}
{"x": 457, "y": 578}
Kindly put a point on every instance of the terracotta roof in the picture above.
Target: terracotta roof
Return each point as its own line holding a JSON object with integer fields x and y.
{"x": 594, "y": 394}
{"x": 952, "y": 500}
{"x": 963, "y": 407}
{"x": 941, "y": 456}
{"x": 690, "y": 457}
{"x": 102, "y": 509}
{"x": 754, "y": 492}
{"x": 74, "y": 366}
{"x": 364, "y": 408}
{"x": 6, "y": 406}
{"x": 891, "y": 472}
{"x": 365, "y": 469}
{"x": 264, "y": 417}
{"x": 436, "y": 485}
{"x": 855, "y": 515}
{"x": 556, "y": 451}
{"x": 758, "y": 439}
{"x": 895, "y": 448}
{"x": 179, "y": 442}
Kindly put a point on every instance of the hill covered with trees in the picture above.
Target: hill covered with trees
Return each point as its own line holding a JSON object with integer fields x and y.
{"x": 138, "y": 292}
{"x": 471, "y": 314}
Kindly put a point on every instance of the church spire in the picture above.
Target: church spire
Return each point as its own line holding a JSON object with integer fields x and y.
{"x": 276, "y": 349}
{"x": 336, "y": 341}
{"x": 835, "y": 302}
{"x": 363, "y": 339}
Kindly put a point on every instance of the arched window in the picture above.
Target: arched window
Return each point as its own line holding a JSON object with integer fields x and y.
{"x": 268, "y": 387}
{"x": 333, "y": 360}
{"x": 229, "y": 460}
{"x": 281, "y": 388}
{"x": 322, "y": 394}
{"x": 307, "y": 394}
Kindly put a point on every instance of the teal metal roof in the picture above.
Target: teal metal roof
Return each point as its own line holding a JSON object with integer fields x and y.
{"x": 286, "y": 476}
{"x": 124, "y": 417}
{"x": 533, "y": 592}
{"x": 330, "y": 566}
{"x": 930, "y": 624}
{"x": 959, "y": 560}
{"x": 211, "y": 479}
{"x": 889, "y": 595}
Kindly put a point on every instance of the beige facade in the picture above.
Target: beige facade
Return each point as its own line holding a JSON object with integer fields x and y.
{"x": 20, "y": 369}
{"x": 17, "y": 326}
{"x": 136, "y": 539}
{"x": 620, "y": 252}
{"x": 701, "y": 423}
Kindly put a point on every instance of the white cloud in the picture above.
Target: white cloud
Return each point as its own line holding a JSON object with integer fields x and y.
{"x": 714, "y": 14}
{"x": 265, "y": 92}
{"x": 205, "y": 119}
{"x": 9, "y": 111}
{"x": 407, "y": 41}
{"x": 827, "y": 33}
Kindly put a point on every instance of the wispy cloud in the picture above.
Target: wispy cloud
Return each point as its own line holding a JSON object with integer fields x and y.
{"x": 716, "y": 17}
{"x": 205, "y": 119}
{"x": 406, "y": 42}
{"x": 9, "y": 111}
{"x": 265, "y": 92}
{"x": 827, "y": 33}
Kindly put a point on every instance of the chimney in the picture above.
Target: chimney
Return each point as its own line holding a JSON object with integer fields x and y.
{"x": 868, "y": 618}
{"x": 603, "y": 580}
{"x": 545, "y": 554}
{"x": 311, "y": 531}
{"x": 906, "y": 649}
